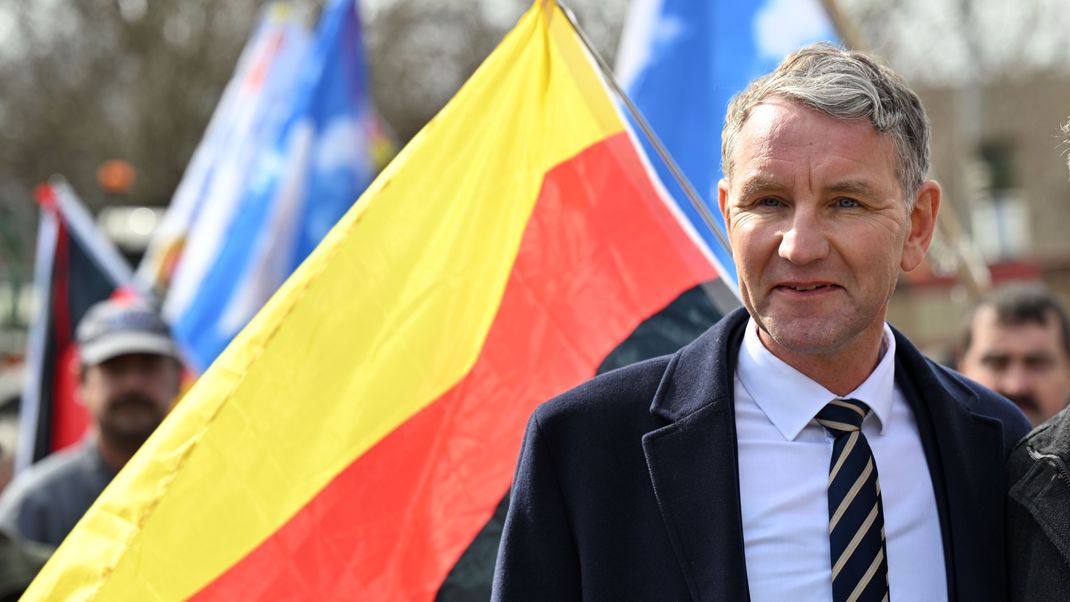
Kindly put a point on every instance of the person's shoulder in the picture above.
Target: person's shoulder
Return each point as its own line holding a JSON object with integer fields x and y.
{"x": 624, "y": 393}
{"x": 42, "y": 479}
{"x": 60, "y": 465}
{"x": 20, "y": 561}
{"x": 50, "y": 493}
{"x": 621, "y": 402}
{"x": 1051, "y": 438}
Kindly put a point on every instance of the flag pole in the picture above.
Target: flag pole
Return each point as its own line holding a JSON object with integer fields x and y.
{"x": 843, "y": 25}
{"x": 659, "y": 148}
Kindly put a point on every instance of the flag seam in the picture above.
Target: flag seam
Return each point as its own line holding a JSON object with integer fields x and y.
{"x": 149, "y": 508}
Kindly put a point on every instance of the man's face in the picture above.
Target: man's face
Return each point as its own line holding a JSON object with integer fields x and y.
{"x": 1025, "y": 362}
{"x": 819, "y": 227}
{"x": 128, "y": 396}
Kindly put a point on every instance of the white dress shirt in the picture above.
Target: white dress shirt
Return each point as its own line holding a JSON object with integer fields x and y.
{"x": 784, "y": 458}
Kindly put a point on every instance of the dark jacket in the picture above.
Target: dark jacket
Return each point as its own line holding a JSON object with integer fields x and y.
{"x": 627, "y": 486}
{"x": 1038, "y": 513}
{"x": 20, "y": 561}
{"x": 44, "y": 502}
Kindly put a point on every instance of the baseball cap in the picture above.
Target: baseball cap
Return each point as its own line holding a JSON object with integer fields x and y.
{"x": 119, "y": 326}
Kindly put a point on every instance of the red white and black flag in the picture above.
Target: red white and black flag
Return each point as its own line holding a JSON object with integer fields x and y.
{"x": 75, "y": 267}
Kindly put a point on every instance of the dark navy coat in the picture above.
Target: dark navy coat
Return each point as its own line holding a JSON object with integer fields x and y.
{"x": 627, "y": 487}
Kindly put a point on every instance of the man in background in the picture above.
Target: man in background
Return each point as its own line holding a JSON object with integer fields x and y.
{"x": 1017, "y": 342}
{"x": 130, "y": 376}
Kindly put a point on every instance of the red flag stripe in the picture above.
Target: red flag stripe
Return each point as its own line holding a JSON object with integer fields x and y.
{"x": 600, "y": 254}
{"x": 68, "y": 416}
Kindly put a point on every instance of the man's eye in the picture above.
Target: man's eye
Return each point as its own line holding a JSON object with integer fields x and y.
{"x": 847, "y": 203}
{"x": 1039, "y": 363}
{"x": 995, "y": 363}
{"x": 769, "y": 202}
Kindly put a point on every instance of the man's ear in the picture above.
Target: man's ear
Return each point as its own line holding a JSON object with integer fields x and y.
{"x": 922, "y": 225}
{"x": 79, "y": 389}
{"x": 722, "y": 200}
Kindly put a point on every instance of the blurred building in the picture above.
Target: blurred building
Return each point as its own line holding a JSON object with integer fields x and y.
{"x": 1000, "y": 157}
{"x": 130, "y": 228}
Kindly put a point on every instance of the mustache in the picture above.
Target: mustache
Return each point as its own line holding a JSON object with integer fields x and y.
{"x": 1025, "y": 402}
{"x": 133, "y": 398}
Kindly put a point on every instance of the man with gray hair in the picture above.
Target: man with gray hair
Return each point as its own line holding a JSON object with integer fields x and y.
{"x": 801, "y": 449}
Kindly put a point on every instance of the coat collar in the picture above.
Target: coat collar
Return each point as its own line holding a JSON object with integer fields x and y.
{"x": 693, "y": 464}
{"x": 702, "y": 372}
{"x": 1053, "y": 438}
{"x": 1041, "y": 469}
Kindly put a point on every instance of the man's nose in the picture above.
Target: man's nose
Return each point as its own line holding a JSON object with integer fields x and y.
{"x": 805, "y": 240}
{"x": 1016, "y": 380}
{"x": 130, "y": 375}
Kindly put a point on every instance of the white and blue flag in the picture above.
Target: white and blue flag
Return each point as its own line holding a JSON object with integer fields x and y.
{"x": 681, "y": 61}
{"x": 243, "y": 120}
{"x": 314, "y": 158}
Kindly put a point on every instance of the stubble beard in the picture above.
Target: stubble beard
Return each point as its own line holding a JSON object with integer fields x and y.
{"x": 815, "y": 336}
{"x": 124, "y": 433}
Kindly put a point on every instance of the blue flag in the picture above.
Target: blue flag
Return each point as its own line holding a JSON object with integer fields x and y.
{"x": 246, "y": 119}
{"x": 349, "y": 141}
{"x": 681, "y": 61}
{"x": 325, "y": 147}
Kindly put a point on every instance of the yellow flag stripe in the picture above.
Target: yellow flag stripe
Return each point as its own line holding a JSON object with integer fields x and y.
{"x": 388, "y": 313}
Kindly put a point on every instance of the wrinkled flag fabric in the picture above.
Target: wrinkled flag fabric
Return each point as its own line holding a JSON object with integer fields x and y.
{"x": 359, "y": 432}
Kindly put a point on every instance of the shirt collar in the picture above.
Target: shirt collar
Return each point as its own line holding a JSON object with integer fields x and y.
{"x": 791, "y": 399}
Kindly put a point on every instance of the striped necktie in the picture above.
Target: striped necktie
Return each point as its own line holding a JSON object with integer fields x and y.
{"x": 856, "y": 518}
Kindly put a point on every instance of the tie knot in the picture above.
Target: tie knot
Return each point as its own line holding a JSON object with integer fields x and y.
{"x": 842, "y": 416}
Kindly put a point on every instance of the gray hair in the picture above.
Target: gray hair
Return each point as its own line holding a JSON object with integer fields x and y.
{"x": 846, "y": 85}
{"x": 1066, "y": 130}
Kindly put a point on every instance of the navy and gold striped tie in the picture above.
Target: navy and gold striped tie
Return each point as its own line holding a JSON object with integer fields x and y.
{"x": 856, "y": 518}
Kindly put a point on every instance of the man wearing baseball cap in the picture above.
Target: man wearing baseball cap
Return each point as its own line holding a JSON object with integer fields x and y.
{"x": 130, "y": 376}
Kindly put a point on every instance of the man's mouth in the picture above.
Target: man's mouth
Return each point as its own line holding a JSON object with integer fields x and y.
{"x": 1026, "y": 402}
{"x": 805, "y": 288}
{"x": 131, "y": 404}
{"x": 132, "y": 401}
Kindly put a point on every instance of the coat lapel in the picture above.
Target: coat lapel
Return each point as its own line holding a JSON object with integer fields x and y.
{"x": 965, "y": 455}
{"x": 693, "y": 463}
